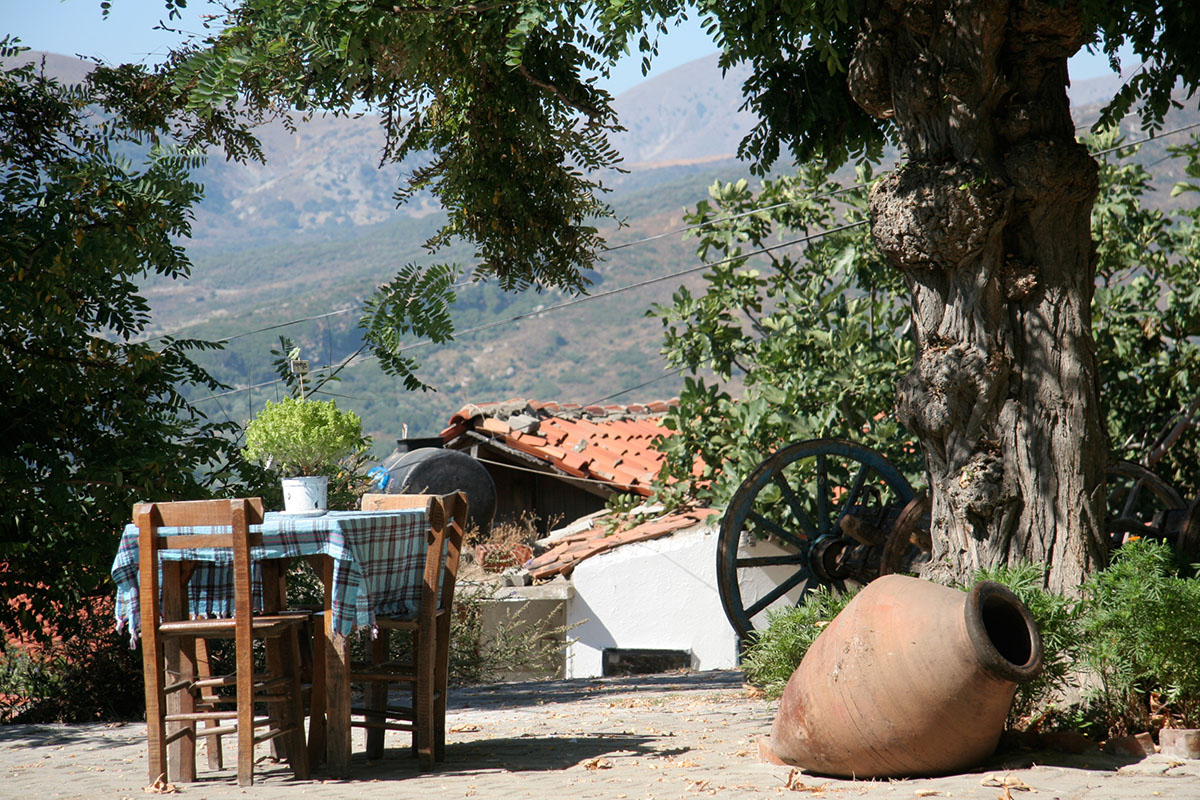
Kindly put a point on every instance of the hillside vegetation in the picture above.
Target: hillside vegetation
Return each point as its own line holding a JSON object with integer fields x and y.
{"x": 313, "y": 231}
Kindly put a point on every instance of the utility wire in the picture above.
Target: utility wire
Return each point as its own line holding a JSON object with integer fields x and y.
{"x": 623, "y": 245}
{"x": 546, "y": 309}
{"x": 487, "y": 326}
{"x": 1149, "y": 138}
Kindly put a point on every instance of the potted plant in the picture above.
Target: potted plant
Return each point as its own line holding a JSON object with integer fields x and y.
{"x": 305, "y": 441}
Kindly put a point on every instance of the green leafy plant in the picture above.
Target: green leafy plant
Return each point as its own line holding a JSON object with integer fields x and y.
{"x": 777, "y": 649}
{"x": 1057, "y": 619}
{"x": 303, "y": 437}
{"x": 1142, "y": 626}
{"x": 94, "y": 675}
{"x": 97, "y": 413}
{"x": 818, "y": 339}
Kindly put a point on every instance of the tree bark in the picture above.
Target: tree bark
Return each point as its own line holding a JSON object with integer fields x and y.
{"x": 989, "y": 221}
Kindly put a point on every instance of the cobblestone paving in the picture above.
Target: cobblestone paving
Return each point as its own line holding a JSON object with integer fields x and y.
{"x": 689, "y": 735}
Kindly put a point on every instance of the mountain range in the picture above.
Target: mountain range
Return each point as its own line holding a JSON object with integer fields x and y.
{"x": 308, "y": 234}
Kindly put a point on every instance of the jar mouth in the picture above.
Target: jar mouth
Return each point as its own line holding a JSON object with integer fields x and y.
{"x": 1003, "y": 633}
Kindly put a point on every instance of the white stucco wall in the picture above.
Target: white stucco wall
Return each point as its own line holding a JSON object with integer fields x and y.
{"x": 660, "y": 595}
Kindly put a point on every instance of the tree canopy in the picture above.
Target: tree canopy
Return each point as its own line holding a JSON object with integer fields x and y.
{"x": 504, "y": 95}
{"x": 93, "y": 418}
{"x": 818, "y": 343}
{"x": 987, "y": 220}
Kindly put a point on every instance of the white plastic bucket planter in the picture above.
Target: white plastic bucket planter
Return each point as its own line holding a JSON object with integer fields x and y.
{"x": 307, "y": 495}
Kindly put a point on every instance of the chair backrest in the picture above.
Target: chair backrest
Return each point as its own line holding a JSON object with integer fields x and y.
{"x": 447, "y": 515}
{"x": 215, "y": 524}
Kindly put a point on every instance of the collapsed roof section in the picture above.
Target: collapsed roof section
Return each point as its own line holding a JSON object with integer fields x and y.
{"x": 608, "y": 447}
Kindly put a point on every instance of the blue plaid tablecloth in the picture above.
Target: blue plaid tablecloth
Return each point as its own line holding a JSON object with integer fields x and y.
{"x": 378, "y": 558}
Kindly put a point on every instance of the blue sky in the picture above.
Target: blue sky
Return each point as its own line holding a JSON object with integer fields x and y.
{"x": 75, "y": 27}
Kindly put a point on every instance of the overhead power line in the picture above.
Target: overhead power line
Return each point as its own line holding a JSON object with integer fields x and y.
{"x": 358, "y": 358}
{"x": 655, "y": 237}
{"x": 586, "y": 298}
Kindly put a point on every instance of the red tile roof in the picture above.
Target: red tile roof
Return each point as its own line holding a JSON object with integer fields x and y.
{"x": 609, "y": 443}
{"x": 567, "y": 552}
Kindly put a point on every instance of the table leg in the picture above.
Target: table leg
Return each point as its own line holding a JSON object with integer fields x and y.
{"x": 337, "y": 688}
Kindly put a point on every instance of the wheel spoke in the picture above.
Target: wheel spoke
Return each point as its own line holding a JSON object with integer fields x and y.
{"x": 794, "y": 503}
{"x": 855, "y": 490}
{"x": 778, "y": 592}
{"x": 822, "y": 493}
{"x": 1131, "y": 501}
{"x": 774, "y": 528}
{"x": 772, "y": 561}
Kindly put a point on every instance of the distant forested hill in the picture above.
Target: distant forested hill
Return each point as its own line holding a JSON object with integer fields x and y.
{"x": 310, "y": 233}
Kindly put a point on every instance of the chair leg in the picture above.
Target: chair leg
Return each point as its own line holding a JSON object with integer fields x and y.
{"x": 423, "y": 693}
{"x": 185, "y": 747}
{"x": 297, "y": 751}
{"x": 276, "y": 664}
{"x": 245, "y": 717}
{"x": 216, "y": 755}
{"x": 376, "y": 697}
{"x": 442, "y": 671}
{"x": 156, "y": 729}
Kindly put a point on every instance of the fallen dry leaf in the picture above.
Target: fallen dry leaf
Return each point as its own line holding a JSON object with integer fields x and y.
{"x": 928, "y": 793}
{"x": 466, "y": 727}
{"x": 160, "y": 786}
{"x": 599, "y": 762}
{"x": 753, "y": 692}
{"x": 1007, "y": 783}
{"x": 796, "y": 785}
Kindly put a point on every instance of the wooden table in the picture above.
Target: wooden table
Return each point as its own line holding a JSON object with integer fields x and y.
{"x": 370, "y": 562}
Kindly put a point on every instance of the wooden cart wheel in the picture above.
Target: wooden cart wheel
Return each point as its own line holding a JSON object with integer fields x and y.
{"x": 786, "y": 511}
{"x": 1187, "y": 542}
{"x": 1136, "y": 496}
{"x": 908, "y": 540}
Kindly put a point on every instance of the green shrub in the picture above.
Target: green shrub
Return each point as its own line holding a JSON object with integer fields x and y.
{"x": 1057, "y": 619}
{"x": 303, "y": 437}
{"x": 95, "y": 676}
{"x": 776, "y": 651}
{"x": 478, "y": 655}
{"x": 1142, "y": 627}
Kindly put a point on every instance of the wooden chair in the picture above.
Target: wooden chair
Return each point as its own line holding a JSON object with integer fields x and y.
{"x": 179, "y": 692}
{"x": 427, "y": 674}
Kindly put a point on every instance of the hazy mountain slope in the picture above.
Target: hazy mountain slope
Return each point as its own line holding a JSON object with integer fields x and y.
{"x": 314, "y": 230}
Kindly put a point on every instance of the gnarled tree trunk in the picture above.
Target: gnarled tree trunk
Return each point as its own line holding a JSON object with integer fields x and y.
{"x": 989, "y": 220}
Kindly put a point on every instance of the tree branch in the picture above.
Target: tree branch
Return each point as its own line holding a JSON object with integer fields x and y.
{"x": 592, "y": 113}
{"x": 464, "y": 9}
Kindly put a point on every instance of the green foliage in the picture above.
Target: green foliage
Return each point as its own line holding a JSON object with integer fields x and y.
{"x": 1133, "y": 642}
{"x": 1142, "y": 627}
{"x": 494, "y": 91}
{"x": 94, "y": 675}
{"x": 1057, "y": 619}
{"x": 1146, "y": 312}
{"x": 1162, "y": 38}
{"x": 416, "y": 301}
{"x": 776, "y": 651}
{"x": 92, "y": 420}
{"x": 818, "y": 340}
{"x": 303, "y": 437}
{"x": 504, "y": 101}
{"x": 516, "y": 644}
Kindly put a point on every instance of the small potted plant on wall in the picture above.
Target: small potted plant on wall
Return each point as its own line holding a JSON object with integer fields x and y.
{"x": 305, "y": 441}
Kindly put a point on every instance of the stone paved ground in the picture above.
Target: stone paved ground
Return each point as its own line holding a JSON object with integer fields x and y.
{"x": 687, "y": 736}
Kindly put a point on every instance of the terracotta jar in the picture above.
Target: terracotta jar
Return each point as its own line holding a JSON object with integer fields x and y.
{"x": 911, "y": 678}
